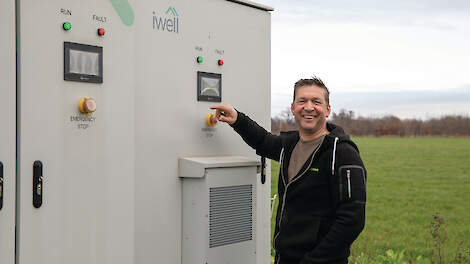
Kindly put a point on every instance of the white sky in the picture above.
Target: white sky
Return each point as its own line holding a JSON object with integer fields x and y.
{"x": 365, "y": 49}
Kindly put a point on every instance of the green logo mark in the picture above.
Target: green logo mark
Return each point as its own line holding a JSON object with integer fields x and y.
{"x": 124, "y": 10}
{"x": 173, "y": 11}
{"x": 314, "y": 169}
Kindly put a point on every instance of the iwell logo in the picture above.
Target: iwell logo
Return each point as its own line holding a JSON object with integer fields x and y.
{"x": 169, "y": 23}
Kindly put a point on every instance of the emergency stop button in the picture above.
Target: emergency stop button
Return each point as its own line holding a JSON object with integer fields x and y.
{"x": 87, "y": 105}
{"x": 211, "y": 120}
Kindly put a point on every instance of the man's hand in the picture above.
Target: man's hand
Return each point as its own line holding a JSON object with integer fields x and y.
{"x": 224, "y": 113}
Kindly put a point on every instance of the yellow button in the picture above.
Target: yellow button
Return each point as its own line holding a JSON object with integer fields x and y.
{"x": 87, "y": 105}
{"x": 209, "y": 120}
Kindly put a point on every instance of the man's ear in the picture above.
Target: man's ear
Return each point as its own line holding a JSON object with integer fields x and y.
{"x": 292, "y": 108}
{"x": 328, "y": 111}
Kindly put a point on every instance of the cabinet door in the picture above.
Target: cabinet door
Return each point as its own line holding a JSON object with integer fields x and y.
{"x": 7, "y": 131}
{"x": 76, "y": 184}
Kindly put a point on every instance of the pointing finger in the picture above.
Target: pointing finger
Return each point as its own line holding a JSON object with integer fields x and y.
{"x": 217, "y": 107}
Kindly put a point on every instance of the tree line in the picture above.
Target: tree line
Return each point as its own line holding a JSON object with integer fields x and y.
{"x": 389, "y": 125}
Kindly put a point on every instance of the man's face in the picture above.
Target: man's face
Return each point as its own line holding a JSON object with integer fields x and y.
{"x": 310, "y": 109}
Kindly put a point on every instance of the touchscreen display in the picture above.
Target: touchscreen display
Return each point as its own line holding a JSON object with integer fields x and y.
{"x": 83, "y": 63}
{"x": 209, "y": 87}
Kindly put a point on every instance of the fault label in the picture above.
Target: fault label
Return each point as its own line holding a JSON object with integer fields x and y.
{"x": 102, "y": 19}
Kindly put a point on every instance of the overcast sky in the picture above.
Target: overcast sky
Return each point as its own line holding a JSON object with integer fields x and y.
{"x": 409, "y": 58}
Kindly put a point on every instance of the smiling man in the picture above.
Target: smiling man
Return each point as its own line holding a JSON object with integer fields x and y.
{"x": 322, "y": 180}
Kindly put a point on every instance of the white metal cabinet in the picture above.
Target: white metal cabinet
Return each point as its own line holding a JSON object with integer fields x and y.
{"x": 170, "y": 121}
{"x": 87, "y": 211}
{"x": 110, "y": 188}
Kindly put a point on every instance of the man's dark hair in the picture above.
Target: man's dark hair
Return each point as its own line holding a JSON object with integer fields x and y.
{"x": 315, "y": 81}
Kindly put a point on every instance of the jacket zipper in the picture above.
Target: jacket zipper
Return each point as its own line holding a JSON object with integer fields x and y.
{"x": 348, "y": 174}
{"x": 283, "y": 181}
{"x": 285, "y": 192}
{"x": 278, "y": 259}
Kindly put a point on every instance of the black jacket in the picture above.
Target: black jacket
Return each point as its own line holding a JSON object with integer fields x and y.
{"x": 322, "y": 210}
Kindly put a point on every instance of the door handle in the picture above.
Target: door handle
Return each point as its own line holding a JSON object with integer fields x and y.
{"x": 38, "y": 189}
{"x": 263, "y": 170}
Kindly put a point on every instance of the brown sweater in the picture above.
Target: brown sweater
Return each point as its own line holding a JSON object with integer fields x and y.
{"x": 300, "y": 154}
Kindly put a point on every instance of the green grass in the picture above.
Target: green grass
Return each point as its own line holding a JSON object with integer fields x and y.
{"x": 409, "y": 180}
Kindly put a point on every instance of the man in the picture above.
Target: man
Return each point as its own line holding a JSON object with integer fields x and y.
{"x": 321, "y": 188}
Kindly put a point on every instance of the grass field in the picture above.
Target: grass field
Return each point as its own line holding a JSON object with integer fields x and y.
{"x": 409, "y": 180}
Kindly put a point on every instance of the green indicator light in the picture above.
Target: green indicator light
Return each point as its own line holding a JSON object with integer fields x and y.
{"x": 67, "y": 26}
{"x": 199, "y": 59}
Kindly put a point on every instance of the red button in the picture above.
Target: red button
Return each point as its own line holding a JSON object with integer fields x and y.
{"x": 101, "y": 31}
{"x": 221, "y": 62}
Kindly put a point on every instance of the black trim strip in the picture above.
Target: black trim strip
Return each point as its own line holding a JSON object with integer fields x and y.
{"x": 1, "y": 185}
{"x": 252, "y": 4}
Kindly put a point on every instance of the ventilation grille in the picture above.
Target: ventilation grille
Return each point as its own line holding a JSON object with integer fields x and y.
{"x": 231, "y": 215}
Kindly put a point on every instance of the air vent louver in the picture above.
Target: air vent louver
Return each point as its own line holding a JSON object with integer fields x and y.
{"x": 231, "y": 215}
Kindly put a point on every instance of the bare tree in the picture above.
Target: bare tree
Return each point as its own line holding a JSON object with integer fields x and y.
{"x": 452, "y": 125}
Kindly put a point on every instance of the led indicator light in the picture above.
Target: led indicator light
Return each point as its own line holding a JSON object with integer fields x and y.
{"x": 220, "y": 62}
{"x": 199, "y": 59}
{"x": 67, "y": 26}
{"x": 101, "y": 31}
